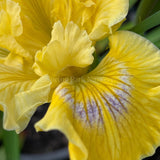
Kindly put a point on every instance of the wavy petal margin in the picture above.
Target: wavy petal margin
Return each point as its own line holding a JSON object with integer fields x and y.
{"x": 69, "y": 47}
{"x": 21, "y": 92}
{"x": 98, "y": 17}
{"x": 107, "y": 18}
{"x": 113, "y": 112}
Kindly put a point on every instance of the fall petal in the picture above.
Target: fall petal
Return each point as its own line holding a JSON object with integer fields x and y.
{"x": 112, "y": 112}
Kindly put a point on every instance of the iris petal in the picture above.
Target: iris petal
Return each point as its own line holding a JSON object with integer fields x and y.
{"x": 29, "y": 100}
{"x": 10, "y": 21}
{"x": 69, "y": 47}
{"x": 17, "y": 83}
{"x": 14, "y": 47}
{"x": 112, "y": 112}
{"x": 98, "y": 17}
{"x": 37, "y": 23}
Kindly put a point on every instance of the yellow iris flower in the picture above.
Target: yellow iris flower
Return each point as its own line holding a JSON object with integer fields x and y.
{"x": 28, "y": 30}
{"x": 109, "y": 113}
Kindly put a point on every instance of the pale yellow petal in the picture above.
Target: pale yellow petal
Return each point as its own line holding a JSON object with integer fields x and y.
{"x": 12, "y": 81}
{"x": 14, "y": 60}
{"x": 29, "y": 100}
{"x": 112, "y": 112}
{"x": 21, "y": 91}
{"x": 14, "y": 47}
{"x": 109, "y": 13}
{"x": 69, "y": 47}
{"x": 10, "y": 21}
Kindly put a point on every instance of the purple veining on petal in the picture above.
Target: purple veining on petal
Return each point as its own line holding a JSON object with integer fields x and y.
{"x": 89, "y": 114}
{"x": 80, "y": 111}
{"x": 108, "y": 103}
{"x": 99, "y": 112}
{"x": 113, "y": 101}
{"x": 97, "y": 115}
{"x": 69, "y": 99}
{"x": 116, "y": 100}
{"x": 94, "y": 112}
{"x": 61, "y": 91}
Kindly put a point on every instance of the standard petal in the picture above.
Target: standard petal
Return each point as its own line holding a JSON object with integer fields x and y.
{"x": 112, "y": 112}
{"x": 37, "y": 23}
{"x": 98, "y": 17}
{"x": 69, "y": 47}
{"x": 39, "y": 12}
{"x": 107, "y": 17}
{"x": 15, "y": 85}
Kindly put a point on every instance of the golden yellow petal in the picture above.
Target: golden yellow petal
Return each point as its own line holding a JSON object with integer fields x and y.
{"x": 39, "y": 12}
{"x": 112, "y": 112}
{"x": 69, "y": 47}
{"x": 32, "y": 39}
{"x": 37, "y": 22}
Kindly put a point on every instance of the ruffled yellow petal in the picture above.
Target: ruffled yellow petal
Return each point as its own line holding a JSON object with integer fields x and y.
{"x": 15, "y": 85}
{"x": 10, "y": 21}
{"x": 31, "y": 21}
{"x": 29, "y": 100}
{"x": 112, "y": 112}
{"x": 107, "y": 17}
{"x": 69, "y": 47}
{"x": 99, "y": 17}
{"x": 11, "y": 28}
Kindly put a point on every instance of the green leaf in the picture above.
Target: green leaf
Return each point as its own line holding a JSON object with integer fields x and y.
{"x": 154, "y": 35}
{"x": 95, "y": 62}
{"x": 11, "y": 143}
{"x": 2, "y": 154}
{"x": 132, "y": 3}
{"x": 146, "y": 9}
{"x": 147, "y": 24}
{"x": 127, "y": 26}
{"x": 158, "y": 44}
{"x": 101, "y": 46}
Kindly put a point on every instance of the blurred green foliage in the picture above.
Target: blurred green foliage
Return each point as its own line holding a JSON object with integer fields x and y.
{"x": 9, "y": 150}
